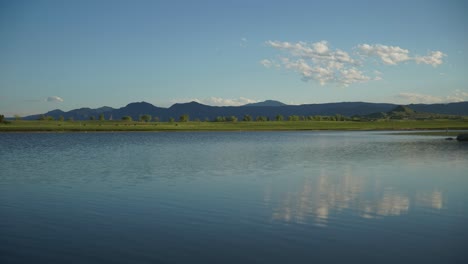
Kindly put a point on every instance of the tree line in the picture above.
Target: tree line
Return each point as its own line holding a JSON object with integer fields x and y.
{"x": 186, "y": 118}
{"x": 247, "y": 118}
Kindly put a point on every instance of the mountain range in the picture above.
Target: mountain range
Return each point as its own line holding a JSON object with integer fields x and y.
{"x": 267, "y": 108}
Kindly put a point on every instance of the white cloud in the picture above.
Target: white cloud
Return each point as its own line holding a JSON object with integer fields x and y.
{"x": 54, "y": 99}
{"x": 390, "y": 55}
{"x": 321, "y": 47}
{"x": 269, "y": 63}
{"x": 318, "y": 62}
{"x": 318, "y": 51}
{"x": 434, "y": 58}
{"x": 393, "y": 55}
{"x": 378, "y": 75}
{"x": 353, "y": 75}
{"x": 243, "y": 42}
{"x": 416, "y": 98}
{"x": 218, "y": 101}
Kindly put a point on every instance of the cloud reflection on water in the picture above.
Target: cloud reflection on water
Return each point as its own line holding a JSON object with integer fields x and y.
{"x": 321, "y": 199}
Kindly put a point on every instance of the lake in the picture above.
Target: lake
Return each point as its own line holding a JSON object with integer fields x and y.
{"x": 232, "y": 197}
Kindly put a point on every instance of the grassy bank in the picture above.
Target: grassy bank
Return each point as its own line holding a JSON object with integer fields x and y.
{"x": 70, "y": 126}
{"x": 448, "y": 133}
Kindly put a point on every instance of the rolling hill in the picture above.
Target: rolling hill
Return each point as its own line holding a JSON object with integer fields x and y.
{"x": 268, "y": 109}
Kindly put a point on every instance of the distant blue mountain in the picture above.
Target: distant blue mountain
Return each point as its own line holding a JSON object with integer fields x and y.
{"x": 267, "y": 103}
{"x": 268, "y": 109}
{"x": 459, "y": 108}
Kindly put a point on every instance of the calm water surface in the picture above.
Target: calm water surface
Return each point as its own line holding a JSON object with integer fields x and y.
{"x": 260, "y": 197}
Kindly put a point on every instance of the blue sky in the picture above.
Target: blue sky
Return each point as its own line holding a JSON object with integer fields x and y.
{"x": 71, "y": 54}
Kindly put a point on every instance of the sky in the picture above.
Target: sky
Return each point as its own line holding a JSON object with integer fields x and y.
{"x": 92, "y": 53}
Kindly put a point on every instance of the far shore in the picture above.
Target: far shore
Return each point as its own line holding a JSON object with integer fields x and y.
{"x": 192, "y": 126}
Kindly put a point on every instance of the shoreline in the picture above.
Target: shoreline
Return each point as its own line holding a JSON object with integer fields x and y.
{"x": 442, "y": 126}
{"x": 425, "y": 132}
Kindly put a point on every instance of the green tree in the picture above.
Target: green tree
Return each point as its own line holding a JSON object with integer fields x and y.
{"x": 2, "y": 118}
{"x": 231, "y": 119}
{"x": 339, "y": 117}
{"x": 261, "y": 119}
{"x": 92, "y": 118}
{"x": 184, "y": 118}
{"x": 127, "y": 118}
{"x": 101, "y": 117}
{"x": 293, "y": 118}
{"x": 220, "y": 119}
{"x": 60, "y": 118}
{"x": 50, "y": 118}
{"x": 171, "y": 120}
{"x": 147, "y": 118}
{"x": 247, "y": 118}
{"x": 279, "y": 118}
{"x": 17, "y": 117}
{"x": 70, "y": 119}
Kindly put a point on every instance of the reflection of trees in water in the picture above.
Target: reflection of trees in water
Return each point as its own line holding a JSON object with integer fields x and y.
{"x": 317, "y": 198}
{"x": 390, "y": 204}
{"x": 431, "y": 199}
